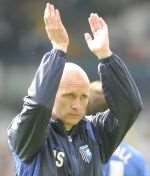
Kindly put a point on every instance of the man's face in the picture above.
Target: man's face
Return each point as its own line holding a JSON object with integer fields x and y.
{"x": 71, "y": 100}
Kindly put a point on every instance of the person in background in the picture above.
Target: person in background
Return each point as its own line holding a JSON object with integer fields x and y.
{"x": 51, "y": 136}
{"x": 126, "y": 160}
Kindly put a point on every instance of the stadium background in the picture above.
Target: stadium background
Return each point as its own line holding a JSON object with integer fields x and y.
{"x": 23, "y": 41}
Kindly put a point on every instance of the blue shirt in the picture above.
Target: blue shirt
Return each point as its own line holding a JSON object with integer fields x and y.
{"x": 126, "y": 161}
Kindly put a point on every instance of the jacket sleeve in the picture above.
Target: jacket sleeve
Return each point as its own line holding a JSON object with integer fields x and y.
{"x": 29, "y": 129}
{"x": 124, "y": 102}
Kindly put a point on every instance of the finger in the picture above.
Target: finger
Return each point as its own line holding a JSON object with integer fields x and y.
{"x": 88, "y": 38}
{"x": 49, "y": 10}
{"x": 52, "y": 10}
{"x": 91, "y": 22}
{"x": 58, "y": 17}
{"x": 97, "y": 21}
{"x": 46, "y": 14}
{"x": 94, "y": 17}
{"x": 102, "y": 22}
{"x": 49, "y": 14}
{"x": 94, "y": 22}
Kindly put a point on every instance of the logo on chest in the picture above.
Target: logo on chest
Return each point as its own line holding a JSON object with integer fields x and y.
{"x": 59, "y": 158}
{"x": 86, "y": 154}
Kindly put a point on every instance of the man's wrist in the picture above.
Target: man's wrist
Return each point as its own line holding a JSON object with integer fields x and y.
{"x": 63, "y": 48}
{"x": 104, "y": 54}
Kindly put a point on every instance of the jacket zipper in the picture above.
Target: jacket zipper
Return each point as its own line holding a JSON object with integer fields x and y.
{"x": 75, "y": 166}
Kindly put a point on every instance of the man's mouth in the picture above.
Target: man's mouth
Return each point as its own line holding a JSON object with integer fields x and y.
{"x": 73, "y": 114}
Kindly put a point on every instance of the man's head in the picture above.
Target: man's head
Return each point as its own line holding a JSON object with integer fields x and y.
{"x": 72, "y": 96}
{"x": 97, "y": 102}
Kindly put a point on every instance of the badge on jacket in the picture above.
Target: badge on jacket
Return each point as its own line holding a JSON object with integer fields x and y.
{"x": 85, "y": 153}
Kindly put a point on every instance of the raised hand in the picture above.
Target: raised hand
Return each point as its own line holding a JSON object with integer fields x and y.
{"x": 99, "y": 42}
{"x": 55, "y": 29}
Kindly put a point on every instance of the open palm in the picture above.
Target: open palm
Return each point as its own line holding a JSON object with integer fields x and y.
{"x": 99, "y": 42}
{"x": 55, "y": 29}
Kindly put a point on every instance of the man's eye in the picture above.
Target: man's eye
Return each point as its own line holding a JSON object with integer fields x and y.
{"x": 69, "y": 95}
{"x": 84, "y": 97}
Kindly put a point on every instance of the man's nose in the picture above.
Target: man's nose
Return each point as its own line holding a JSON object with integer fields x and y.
{"x": 76, "y": 104}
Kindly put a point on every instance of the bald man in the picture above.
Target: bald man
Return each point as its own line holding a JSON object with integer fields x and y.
{"x": 51, "y": 136}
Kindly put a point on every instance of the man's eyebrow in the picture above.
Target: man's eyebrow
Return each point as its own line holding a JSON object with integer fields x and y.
{"x": 67, "y": 93}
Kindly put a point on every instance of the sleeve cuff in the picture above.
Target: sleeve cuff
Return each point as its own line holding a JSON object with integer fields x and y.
{"x": 59, "y": 52}
{"x": 107, "y": 59}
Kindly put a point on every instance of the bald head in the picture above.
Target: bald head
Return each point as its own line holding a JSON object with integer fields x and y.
{"x": 72, "y": 96}
{"x": 73, "y": 73}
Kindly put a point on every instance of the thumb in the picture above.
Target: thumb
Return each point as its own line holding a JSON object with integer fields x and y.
{"x": 87, "y": 37}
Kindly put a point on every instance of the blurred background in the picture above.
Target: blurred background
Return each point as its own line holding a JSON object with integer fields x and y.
{"x": 23, "y": 42}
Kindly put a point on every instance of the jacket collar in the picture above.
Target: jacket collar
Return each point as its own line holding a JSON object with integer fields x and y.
{"x": 59, "y": 127}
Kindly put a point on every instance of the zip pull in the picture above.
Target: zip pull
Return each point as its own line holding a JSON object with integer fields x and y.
{"x": 69, "y": 138}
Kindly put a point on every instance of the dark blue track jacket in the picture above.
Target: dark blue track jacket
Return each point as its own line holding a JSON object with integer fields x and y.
{"x": 42, "y": 147}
